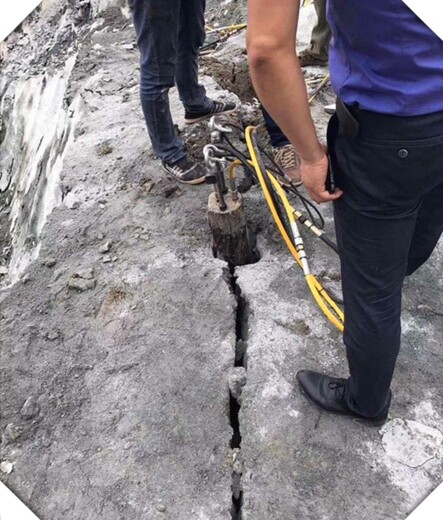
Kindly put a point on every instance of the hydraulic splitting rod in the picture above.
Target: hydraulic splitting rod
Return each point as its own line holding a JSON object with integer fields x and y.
{"x": 219, "y": 152}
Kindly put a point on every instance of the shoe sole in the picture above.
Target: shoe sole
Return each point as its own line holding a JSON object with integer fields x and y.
{"x": 330, "y": 111}
{"x": 208, "y": 116}
{"x": 200, "y": 180}
{"x": 313, "y": 63}
{"x": 366, "y": 422}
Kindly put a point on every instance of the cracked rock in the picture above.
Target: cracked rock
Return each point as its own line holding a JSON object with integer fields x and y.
{"x": 411, "y": 443}
{"x": 237, "y": 380}
{"x": 30, "y": 409}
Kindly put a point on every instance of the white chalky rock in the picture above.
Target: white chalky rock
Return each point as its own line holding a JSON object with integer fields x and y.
{"x": 411, "y": 443}
{"x": 6, "y": 467}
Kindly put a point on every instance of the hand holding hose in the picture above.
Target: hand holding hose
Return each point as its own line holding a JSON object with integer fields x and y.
{"x": 314, "y": 175}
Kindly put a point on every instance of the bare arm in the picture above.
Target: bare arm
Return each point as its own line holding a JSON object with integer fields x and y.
{"x": 279, "y": 82}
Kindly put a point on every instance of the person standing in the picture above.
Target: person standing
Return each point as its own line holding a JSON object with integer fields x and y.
{"x": 386, "y": 147}
{"x": 318, "y": 52}
{"x": 169, "y": 36}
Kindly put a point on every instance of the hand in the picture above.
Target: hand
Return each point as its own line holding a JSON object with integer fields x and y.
{"x": 314, "y": 174}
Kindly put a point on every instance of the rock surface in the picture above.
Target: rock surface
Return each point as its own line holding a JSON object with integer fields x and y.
{"x": 158, "y": 393}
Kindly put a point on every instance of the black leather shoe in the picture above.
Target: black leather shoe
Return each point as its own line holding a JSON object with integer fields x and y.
{"x": 328, "y": 394}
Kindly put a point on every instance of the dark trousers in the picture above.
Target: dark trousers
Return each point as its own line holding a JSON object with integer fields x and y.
{"x": 321, "y": 34}
{"x": 169, "y": 36}
{"x": 277, "y": 137}
{"x": 388, "y": 222}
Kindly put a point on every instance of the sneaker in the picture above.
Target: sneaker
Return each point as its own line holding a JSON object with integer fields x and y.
{"x": 328, "y": 394}
{"x": 218, "y": 108}
{"x": 308, "y": 58}
{"x": 185, "y": 171}
{"x": 287, "y": 159}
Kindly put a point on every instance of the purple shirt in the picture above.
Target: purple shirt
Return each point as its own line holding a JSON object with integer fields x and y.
{"x": 384, "y": 58}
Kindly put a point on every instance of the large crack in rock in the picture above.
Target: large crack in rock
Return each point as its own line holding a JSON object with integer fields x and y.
{"x": 125, "y": 375}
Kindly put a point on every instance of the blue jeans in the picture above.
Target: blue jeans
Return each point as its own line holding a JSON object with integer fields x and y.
{"x": 169, "y": 36}
{"x": 276, "y": 135}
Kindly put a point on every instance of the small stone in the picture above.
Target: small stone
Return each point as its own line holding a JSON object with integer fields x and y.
{"x": 52, "y": 335}
{"x": 86, "y": 274}
{"x": 80, "y": 284}
{"x": 128, "y": 46}
{"x": 171, "y": 190}
{"x": 114, "y": 258}
{"x": 71, "y": 201}
{"x": 6, "y": 467}
{"x": 49, "y": 262}
{"x": 46, "y": 442}
{"x": 3, "y": 270}
{"x": 104, "y": 149}
{"x": 161, "y": 508}
{"x": 107, "y": 259}
{"x": 106, "y": 247}
{"x": 30, "y": 409}
{"x": 237, "y": 380}
{"x": 11, "y": 434}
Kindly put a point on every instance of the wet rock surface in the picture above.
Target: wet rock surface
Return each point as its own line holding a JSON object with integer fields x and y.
{"x": 140, "y": 378}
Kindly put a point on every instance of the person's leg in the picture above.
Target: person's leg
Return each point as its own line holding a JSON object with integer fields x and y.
{"x": 373, "y": 252}
{"x": 428, "y": 229}
{"x": 191, "y": 37}
{"x": 284, "y": 153}
{"x": 321, "y": 34}
{"x": 156, "y": 24}
{"x": 276, "y": 135}
{"x": 318, "y": 51}
{"x": 392, "y": 182}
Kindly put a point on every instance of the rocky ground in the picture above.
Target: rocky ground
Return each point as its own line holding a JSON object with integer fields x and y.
{"x": 140, "y": 378}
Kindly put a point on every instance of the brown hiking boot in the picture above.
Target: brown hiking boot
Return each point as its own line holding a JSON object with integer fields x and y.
{"x": 308, "y": 58}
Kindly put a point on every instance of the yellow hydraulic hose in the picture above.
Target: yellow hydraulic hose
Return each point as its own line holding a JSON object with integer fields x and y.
{"x": 228, "y": 28}
{"x": 321, "y": 296}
